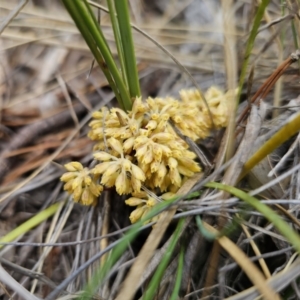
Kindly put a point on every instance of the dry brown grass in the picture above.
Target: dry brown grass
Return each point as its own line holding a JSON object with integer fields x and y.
{"x": 48, "y": 87}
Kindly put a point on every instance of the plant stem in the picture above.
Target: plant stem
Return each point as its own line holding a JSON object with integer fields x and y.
{"x": 128, "y": 47}
{"x": 86, "y": 22}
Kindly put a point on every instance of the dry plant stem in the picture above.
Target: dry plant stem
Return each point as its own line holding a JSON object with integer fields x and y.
{"x": 46, "y": 251}
{"x": 277, "y": 282}
{"x": 230, "y": 178}
{"x": 231, "y": 72}
{"x": 278, "y": 89}
{"x": 257, "y": 252}
{"x": 244, "y": 150}
{"x": 15, "y": 286}
{"x": 75, "y": 262}
{"x": 269, "y": 83}
{"x": 274, "y": 22}
{"x": 248, "y": 267}
{"x": 66, "y": 94}
{"x": 285, "y": 157}
{"x": 212, "y": 269}
{"x": 105, "y": 227}
{"x": 231, "y": 68}
{"x": 275, "y": 34}
{"x": 12, "y": 15}
{"x": 196, "y": 245}
{"x": 288, "y": 214}
{"x": 65, "y": 244}
{"x": 5, "y": 291}
{"x": 128, "y": 290}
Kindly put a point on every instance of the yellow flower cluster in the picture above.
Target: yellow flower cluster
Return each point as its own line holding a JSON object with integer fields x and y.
{"x": 80, "y": 184}
{"x": 141, "y": 147}
{"x": 144, "y": 202}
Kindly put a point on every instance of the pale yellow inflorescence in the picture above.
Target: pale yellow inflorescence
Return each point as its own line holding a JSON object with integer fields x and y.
{"x": 80, "y": 184}
{"x": 141, "y": 147}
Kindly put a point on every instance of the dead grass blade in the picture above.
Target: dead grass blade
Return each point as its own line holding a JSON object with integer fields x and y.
{"x": 66, "y": 94}
{"x": 277, "y": 282}
{"x": 253, "y": 273}
{"x": 12, "y": 15}
{"x": 15, "y": 286}
{"x": 231, "y": 69}
{"x": 257, "y": 252}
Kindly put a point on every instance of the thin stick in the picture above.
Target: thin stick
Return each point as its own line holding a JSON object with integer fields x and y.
{"x": 12, "y": 15}
{"x": 14, "y": 285}
{"x": 269, "y": 83}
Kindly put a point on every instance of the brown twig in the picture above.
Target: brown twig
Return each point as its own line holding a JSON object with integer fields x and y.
{"x": 270, "y": 82}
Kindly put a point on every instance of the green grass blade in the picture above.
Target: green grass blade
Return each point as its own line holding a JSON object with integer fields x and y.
{"x": 250, "y": 43}
{"x": 207, "y": 234}
{"x": 116, "y": 30}
{"x": 226, "y": 231}
{"x": 282, "y": 135}
{"x": 86, "y": 22}
{"x": 155, "y": 281}
{"x": 77, "y": 18}
{"x": 287, "y": 231}
{"x": 29, "y": 224}
{"x": 102, "y": 44}
{"x": 174, "y": 295}
{"x": 128, "y": 47}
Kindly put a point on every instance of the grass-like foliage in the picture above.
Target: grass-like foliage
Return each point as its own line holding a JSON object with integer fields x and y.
{"x": 127, "y": 86}
{"x": 155, "y": 155}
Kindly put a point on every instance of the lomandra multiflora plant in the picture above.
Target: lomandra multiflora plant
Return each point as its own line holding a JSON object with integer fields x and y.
{"x": 140, "y": 154}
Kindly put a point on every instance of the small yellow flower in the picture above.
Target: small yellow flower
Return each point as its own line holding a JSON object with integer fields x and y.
{"x": 138, "y": 108}
{"x": 97, "y": 124}
{"x": 123, "y": 183}
{"x": 114, "y": 172}
{"x": 151, "y": 202}
{"x": 74, "y": 166}
{"x": 144, "y": 203}
{"x": 133, "y": 201}
{"x": 101, "y": 155}
{"x": 199, "y": 124}
{"x": 80, "y": 184}
{"x": 162, "y": 154}
{"x": 137, "y": 214}
{"x": 167, "y": 196}
{"x": 128, "y": 145}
